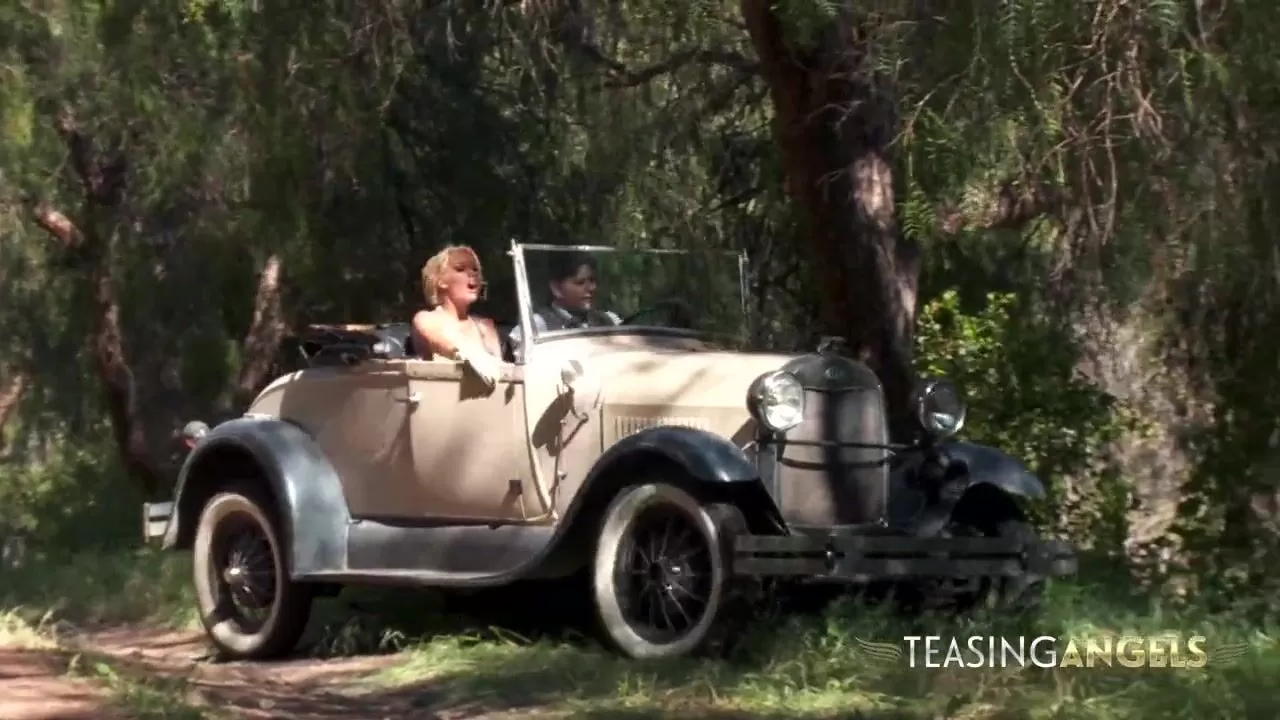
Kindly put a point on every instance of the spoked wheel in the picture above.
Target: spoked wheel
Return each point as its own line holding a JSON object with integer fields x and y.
{"x": 248, "y": 605}
{"x": 661, "y": 573}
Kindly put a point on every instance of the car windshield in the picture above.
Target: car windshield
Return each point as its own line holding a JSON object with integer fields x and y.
{"x": 588, "y": 287}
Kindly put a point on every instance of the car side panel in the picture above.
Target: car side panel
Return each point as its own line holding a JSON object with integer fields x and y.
{"x": 324, "y": 543}
{"x": 470, "y": 448}
{"x": 359, "y": 418}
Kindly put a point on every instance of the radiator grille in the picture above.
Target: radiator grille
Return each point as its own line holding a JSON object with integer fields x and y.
{"x": 821, "y": 486}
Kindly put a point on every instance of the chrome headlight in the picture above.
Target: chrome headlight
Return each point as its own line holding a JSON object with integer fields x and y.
{"x": 939, "y": 408}
{"x": 776, "y": 400}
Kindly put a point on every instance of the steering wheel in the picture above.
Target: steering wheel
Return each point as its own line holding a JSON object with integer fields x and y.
{"x": 679, "y": 313}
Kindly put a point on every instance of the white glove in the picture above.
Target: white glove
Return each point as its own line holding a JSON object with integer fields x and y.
{"x": 484, "y": 365}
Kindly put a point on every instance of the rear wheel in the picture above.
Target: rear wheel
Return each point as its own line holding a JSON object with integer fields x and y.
{"x": 660, "y": 575}
{"x": 248, "y": 606}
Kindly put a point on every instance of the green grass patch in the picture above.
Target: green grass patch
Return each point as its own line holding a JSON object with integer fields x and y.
{"x": 100, "y": 588}
{"x": 789, "y": 666}
{"x": 814, "y": 667}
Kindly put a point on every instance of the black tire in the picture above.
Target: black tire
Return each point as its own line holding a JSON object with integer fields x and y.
{"x": 237, "y": 530}
{"x": 676, "y": 605}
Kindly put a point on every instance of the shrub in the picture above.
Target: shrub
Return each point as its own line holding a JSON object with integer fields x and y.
{"x": 1018, "y": 374}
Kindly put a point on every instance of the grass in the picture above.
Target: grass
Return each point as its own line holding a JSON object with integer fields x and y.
{"x": 788, "y": 666}
{"x": 101, "y": 588}
{"x": 813, "y": 667}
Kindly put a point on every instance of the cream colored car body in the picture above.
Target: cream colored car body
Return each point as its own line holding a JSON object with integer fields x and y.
{"x": 416, "y": 439}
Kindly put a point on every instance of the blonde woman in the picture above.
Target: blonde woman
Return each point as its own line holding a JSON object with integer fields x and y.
{"x": 451, "y": 282}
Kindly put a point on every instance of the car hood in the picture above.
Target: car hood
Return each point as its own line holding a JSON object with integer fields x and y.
{"x": 696, "y": 388}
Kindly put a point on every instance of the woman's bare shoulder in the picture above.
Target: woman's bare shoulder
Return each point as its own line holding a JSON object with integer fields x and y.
{"x": 427, "y": 318}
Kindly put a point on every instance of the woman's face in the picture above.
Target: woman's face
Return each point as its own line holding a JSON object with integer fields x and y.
{"x": 460, "y": 281}
{"x": 576, "y": 292}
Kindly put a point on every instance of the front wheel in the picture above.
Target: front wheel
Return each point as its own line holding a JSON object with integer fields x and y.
{"x": 248, "y": 606}
{"x": 661, "y": 573}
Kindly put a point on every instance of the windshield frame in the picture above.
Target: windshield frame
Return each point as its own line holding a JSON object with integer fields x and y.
{"x": 525, "y": 298}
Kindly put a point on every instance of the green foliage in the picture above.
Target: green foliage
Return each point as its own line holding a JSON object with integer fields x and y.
{"x": 111, "y": 586}
{"x": 1018, "y": 375}
{"x": 76, "y": 497}
{"x": 806, "y": 20}
{"x": 352, "y": 140}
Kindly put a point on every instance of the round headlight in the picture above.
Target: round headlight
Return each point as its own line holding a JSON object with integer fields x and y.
{"x": 939, "y": 408}
{"x": 776, "y": 400}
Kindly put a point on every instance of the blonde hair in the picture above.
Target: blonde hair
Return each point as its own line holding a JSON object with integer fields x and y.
{"x": 435, "y": 268}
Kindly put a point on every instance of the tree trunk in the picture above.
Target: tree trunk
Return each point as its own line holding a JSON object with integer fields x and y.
{"x": 86, "y": 248}
{"x": 835, "y": 123}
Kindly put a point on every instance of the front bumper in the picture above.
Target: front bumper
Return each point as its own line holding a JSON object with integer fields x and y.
{"x": 866, "y": 558}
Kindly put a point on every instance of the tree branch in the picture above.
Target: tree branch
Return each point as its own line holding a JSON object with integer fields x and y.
{"x": 102, "y": 183}
{"x": 573, "y": 37}
{"x": 58, "y": 225}
{"x": 1012, "y": 208}
{"x": 102, "y": 188}
{"x": 623, "y": 77}
{"x": 10, "y": 395}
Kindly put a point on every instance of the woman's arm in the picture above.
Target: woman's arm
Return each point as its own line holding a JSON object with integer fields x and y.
{"x": 428, "y": 331}
{"x": 444, "y": 340}
{"x": 443, "y": 337}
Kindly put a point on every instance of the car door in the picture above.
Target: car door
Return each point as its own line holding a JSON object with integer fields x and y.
{"x": 470, "y": 448}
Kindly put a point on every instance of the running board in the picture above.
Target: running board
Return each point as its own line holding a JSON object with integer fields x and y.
{"x": 407, "y": 578}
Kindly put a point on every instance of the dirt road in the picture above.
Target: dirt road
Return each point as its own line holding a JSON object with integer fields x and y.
{"x": 36, "y": 685}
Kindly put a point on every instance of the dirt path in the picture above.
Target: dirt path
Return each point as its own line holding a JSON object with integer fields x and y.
{"x": 35, "y": 684}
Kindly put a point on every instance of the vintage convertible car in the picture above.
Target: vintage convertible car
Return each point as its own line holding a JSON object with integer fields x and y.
{"x": 673, "y": 469}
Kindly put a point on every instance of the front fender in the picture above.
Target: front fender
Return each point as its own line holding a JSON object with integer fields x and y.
{"x": 312, "y": 509}
{"x": 705, "y": 456}
{"x": 970, "y": 465}
{"x": 709, "y": 460}
{"x": 985, "y": 465}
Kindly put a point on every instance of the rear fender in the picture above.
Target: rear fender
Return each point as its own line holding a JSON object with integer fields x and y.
{"x": 310, "y": 505}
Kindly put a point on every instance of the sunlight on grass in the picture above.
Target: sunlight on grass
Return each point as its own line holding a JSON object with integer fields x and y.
{"x": 21, "y": 633}
{"x": 814, "y": 667}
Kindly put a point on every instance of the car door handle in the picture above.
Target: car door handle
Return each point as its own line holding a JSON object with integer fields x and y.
{"x": 411, "y": 399}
